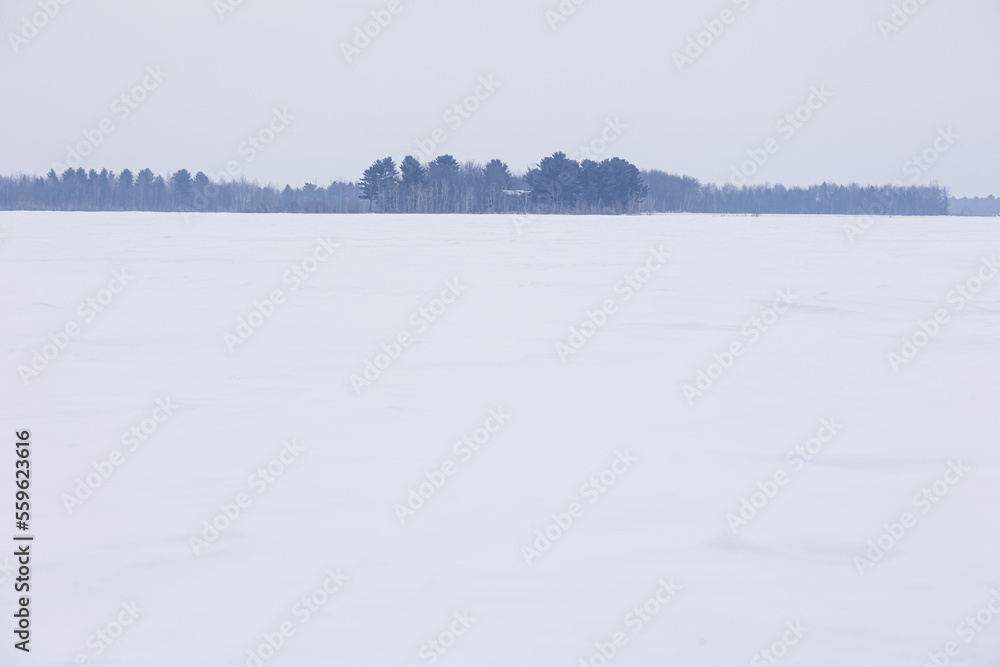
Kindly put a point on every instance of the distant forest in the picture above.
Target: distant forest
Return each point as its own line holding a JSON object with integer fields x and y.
{"x": 557, "y": 184}
{"x": 983, "y": 206}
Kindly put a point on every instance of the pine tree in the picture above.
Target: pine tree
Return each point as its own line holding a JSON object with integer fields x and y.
{"x": 126, "y": 186}
{"x": 442, "y": 173}
{"x": 379, "y": 184}
{"x": 182, "y": 190}
{"x": 414, "y": 179}
{"x": 554, "y": 184}
{"x": 496, "y": 178}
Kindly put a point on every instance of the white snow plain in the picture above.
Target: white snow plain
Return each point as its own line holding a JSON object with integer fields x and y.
{"x": 452, "y": 584}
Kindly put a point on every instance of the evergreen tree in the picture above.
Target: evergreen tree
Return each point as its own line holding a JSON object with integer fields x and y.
{"x": 496, "y": 179}
{"x": 620, "y": 186}
{"x": 104, "y": 190}
{"x": 442, "y": 174}
{"x": 204, "y": 192}
{"x": 378, "y": 184}
{"x": 592, "y": 188}
{"x": 288, "y": 203}
{"x": 555, "y": 184}
{"x": 414, "y": 179}
{"x": 92, "y": 192}
{"x": 144, "y": 190}
{"x": 126, "y": 186}
{"x": 182, "y": 190}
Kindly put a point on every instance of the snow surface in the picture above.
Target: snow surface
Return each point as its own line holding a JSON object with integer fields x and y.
{"x": 524, "y": 283}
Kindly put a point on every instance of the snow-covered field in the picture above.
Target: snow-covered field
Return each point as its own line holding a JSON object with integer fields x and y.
{"x": 414, "y": 493}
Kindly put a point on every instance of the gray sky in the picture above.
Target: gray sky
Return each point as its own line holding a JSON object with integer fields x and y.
{"x": 894, "y": 94}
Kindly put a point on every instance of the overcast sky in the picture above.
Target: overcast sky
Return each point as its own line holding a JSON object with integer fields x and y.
{"x": 886, "y": 95}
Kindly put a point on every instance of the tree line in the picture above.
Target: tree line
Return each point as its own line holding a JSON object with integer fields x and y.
{"x": 982, "y": 206}
{"x": 80, "y": 190}
{"x": 557, "y": 184}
